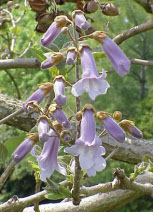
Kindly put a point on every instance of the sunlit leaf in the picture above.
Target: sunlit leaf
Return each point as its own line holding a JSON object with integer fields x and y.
{"x": 3, "y": 152}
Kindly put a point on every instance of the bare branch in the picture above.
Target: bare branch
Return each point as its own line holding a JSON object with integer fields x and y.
{"x": 19, "y": 63}
{"x": 141, "y": 62}
{"x": 133, "y": 31}
{"x": 145, "y": 4}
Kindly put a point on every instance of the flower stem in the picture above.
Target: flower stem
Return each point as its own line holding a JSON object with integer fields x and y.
{"x": 77, "y": 176}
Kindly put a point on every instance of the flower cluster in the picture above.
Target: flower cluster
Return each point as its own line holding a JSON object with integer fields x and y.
{"x": 88, "y": 146}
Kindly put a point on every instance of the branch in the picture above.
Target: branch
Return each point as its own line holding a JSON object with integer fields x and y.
{"x": 19, "y": 63}
{"x": 131, "y": 150}
{"x": 110, "y": 196}
{"x": 141, "y": 62}
{"x": 146, "y": 5}
{"x": 133, "y": 31}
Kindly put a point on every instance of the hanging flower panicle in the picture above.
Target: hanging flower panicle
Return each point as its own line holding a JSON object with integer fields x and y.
{"x": 25, "y": 147}
{"x": 118, "y": 59}
{"x": 91, "y": 82}
{"x": 111, "y": 126}
{"x": 129, "y": 126}
{"x": 54, "y": 30}
{"x": 39, "y": 95}
{"x": 59, "y": 115}
{"x": 52, "y": 60}
{"x": 88, "y": 146}
{"x": 80, "y": 20}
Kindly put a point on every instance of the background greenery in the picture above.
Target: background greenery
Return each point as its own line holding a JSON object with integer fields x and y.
{"x": 131, "y": 94}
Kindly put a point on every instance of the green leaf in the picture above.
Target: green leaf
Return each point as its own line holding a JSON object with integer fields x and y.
{"x": 3, "y": 152}
{"x": 56, "y": 191}
{"x": 54, "y": 71}
{"x": 36, "y": 169}
{"x": 16, "y": 30}
{"x": 12, "y": 143}
{"x": 98, "y": 55}
{"x": 38, "y": 54}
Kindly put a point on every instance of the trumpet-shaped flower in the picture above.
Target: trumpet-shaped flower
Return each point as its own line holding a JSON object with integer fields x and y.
{"x": 43, "y": 129}
{"x": 54, "y": 30}
{"x": 130, "y": 127}
{"x": 80, "y": 20}
{"x": 25, "y": 147}
{"x": 91, "y": 82}
{"x": 111, "y": 126}
{"x": 118, "y": 59}
{"x": 52, "y": 60}
{"x": 88, "y": 146}
{"x": 59, "y": 90}
{"x": 47, "y": 160}
{"x": 39, "y": 94}
{"x": 59, "y": 115}
{"x": 71, "y": 56}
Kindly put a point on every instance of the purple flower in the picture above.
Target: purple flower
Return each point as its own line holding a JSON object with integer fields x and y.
{"x": 118, "y": 59}
{"x": 111, "y": 126}
{"x": 59, "y": 90}
{"x": 54, "y": 30}
{"x": 88, "y": 146}
{"x": 39, "y": 94}
{"x": 130, "y": 127}
{"x": 43, "y": 128}
{"x": 48, "y": 159}
{"x": 25, "y": 147}
{"x": 71, "y": 56}
{"x": 80, "y": 20}
{"x": 59, "y": 115}
{"x": 52, "y": 60}
{"x": 91, "y": 82}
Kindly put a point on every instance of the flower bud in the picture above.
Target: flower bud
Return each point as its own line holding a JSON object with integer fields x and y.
{"x": 54, "y": 58}
{"x": 25, "y": 147}
{"x": 90, "y": 7}
{"x": 109, "y": 9}
{"x": 16, "y": 6}
{"x": 130, "y": 127}
{"x": 66, "y": 135}
{"x": 64, "y": 30}
{"x": 71, "y": 55}
{"x": 10, "y": 3}
{"x": 80, "y": 20}
{"x": 45, "y": 18}
{"x": 117, "y": 115}
{"x": 79, "y": 116}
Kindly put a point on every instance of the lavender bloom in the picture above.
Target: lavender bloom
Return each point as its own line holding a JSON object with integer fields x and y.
{"x": 52, "y": 60}
{"x": 39, "y": 94}
{"x": 80, "y": 20}
{"x": 135, "y": 132}
{"x": 114, "y": 129}
{"x": 88, "y": 146}
{"x": 25, "y": 147}
{"x": 48, "y": 159}
{"x": 91, "y": 82}
{"x": 59, "y": 115}
{"x": 54, "y": 30}
{"x": 71, "y": 56}
{"x": 130, "y": 127}
{"x": 118, "y": 59}
{"x": 59, "y": 90}
{"x": 43, "y": 129}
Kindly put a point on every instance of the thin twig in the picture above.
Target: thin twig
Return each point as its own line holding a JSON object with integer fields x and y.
{"x": 112, "y": 154}
{"x": 7, "y": 173}
{"x": 11, "y": 116}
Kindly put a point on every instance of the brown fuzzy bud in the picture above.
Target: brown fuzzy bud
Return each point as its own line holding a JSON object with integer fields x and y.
{"x": 117, "y": 115}
{"x": 45, "y": 18}
{"x": 88, "y": 107}
{"x": 16, "y": 6}
{"x": 41, "y": 28}
{"x": 38, "y": 5}
{"x": 66, "y": 135}
{"x": 102, "y": 115}
{"x": 47, "y": 87}
{"x": 126, "y": 124}
{"x": 80, "y": 5}
{"x": 61, "y": 21}
{"x": 90, "y": 7}
{"x": 64, "y": 30}
{"x": 109, "y": 9}
{"x": 79, "y": 116}
{"x": 34, "y": 137}
{"x": 10, "y": 3}
{"x": 98, "y": 36}
{"x": 90, "y": 30}
{"x": 57, "y": 126}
